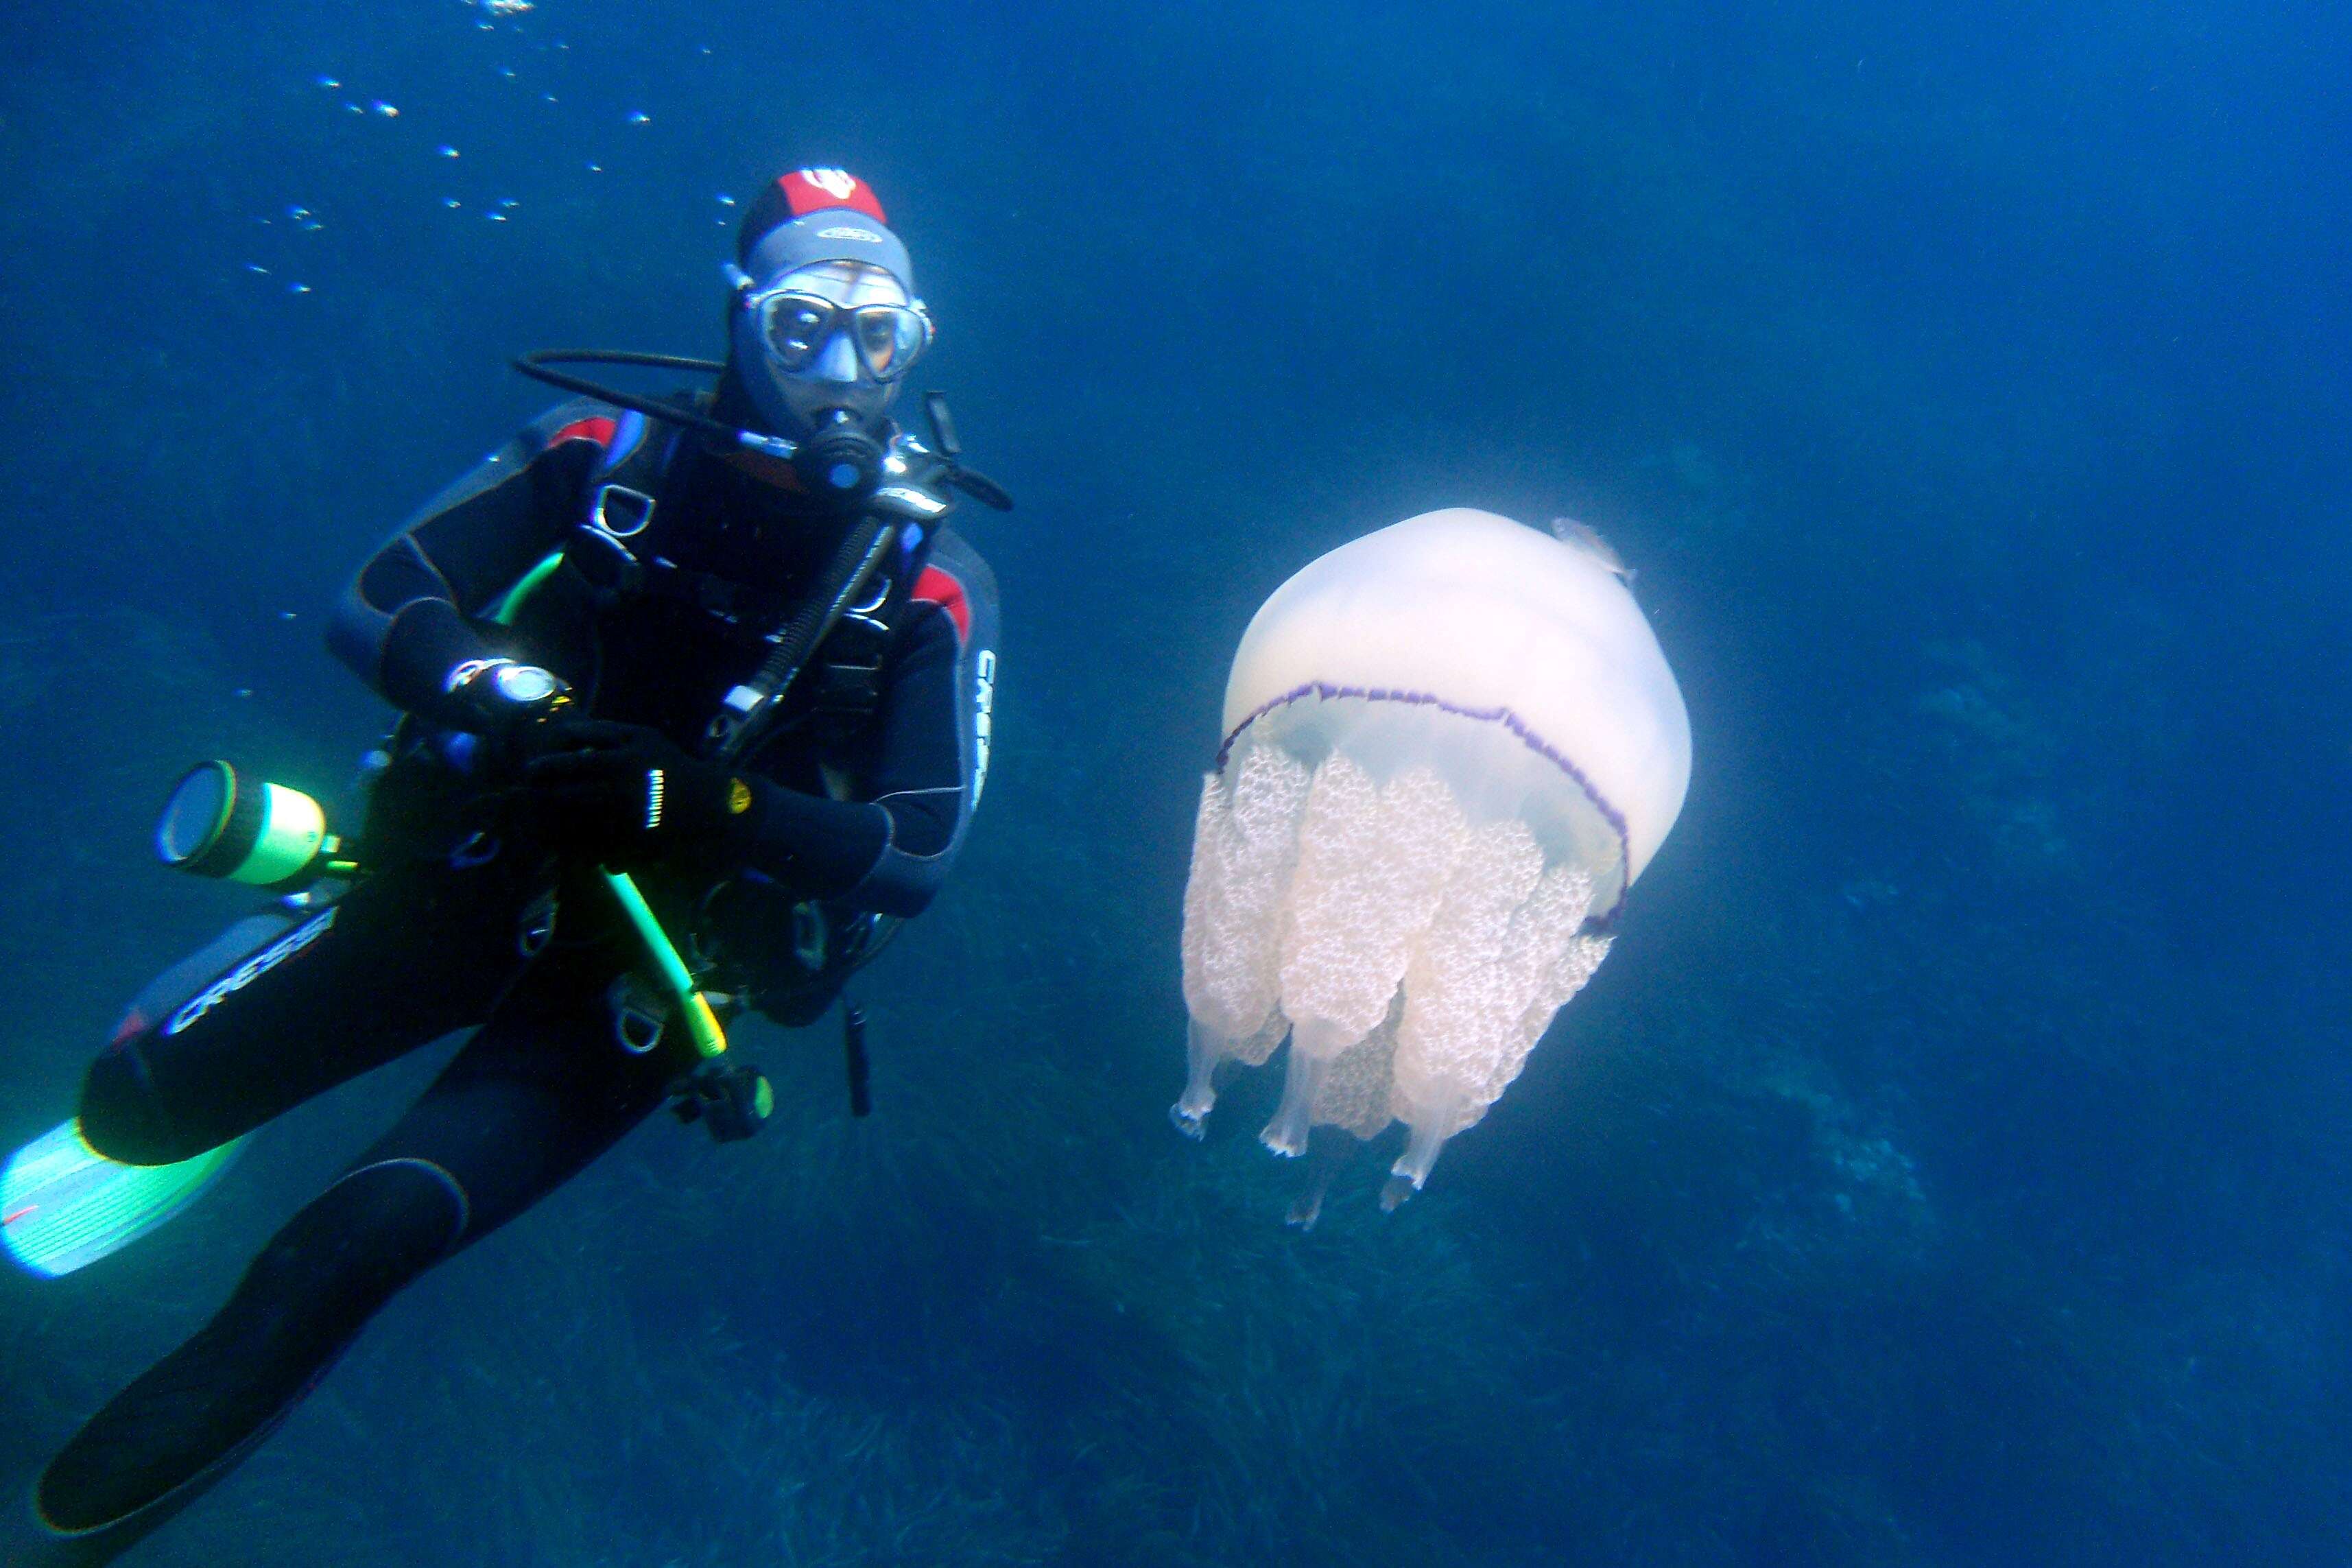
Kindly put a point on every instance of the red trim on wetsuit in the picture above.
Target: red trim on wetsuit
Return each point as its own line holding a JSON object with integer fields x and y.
{"x": 943, "y": 589}
{"x": 597, "y": 430}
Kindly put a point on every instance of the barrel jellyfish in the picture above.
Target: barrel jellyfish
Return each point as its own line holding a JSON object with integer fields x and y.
{"x": 1450, "y": 747}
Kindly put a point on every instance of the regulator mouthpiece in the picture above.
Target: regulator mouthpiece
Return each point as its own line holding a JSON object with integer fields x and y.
{"x": 263, "y": 834}
{"x": 840, "y": 464}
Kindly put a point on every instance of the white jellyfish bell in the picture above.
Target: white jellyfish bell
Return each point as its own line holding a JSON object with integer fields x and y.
{"x": 1450, "y": 747}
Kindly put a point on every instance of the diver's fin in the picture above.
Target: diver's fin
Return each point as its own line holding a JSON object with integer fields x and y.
{"x": 63, "y": 1205}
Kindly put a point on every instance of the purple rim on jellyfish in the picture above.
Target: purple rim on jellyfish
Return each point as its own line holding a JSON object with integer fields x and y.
{"x": 1324, "y": 691}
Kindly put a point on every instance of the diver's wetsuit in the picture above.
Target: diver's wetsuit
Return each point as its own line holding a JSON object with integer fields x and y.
{"x": 865, "y": 787}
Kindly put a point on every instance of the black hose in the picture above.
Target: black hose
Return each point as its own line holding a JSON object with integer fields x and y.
{"x": 534, "y": 365}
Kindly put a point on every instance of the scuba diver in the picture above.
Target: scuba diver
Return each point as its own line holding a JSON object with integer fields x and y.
{"x": 696, "y": 706}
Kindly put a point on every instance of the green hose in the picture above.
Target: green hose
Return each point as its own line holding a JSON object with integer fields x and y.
{"x": 512, "y": 604}
{"x": 700, "y": 1021}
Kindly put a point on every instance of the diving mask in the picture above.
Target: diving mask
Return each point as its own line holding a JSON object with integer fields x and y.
{"x": 800, "y": 313}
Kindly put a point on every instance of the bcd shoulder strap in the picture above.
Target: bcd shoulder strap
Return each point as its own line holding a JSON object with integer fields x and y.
{"x": 847, "y": 614}
{"x": 859, "y": 580}
{"x": 746, "y": 712}
{"x": 847, "y": 680}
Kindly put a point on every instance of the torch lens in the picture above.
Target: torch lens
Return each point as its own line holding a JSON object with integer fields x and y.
{"x": 197, "y": 813}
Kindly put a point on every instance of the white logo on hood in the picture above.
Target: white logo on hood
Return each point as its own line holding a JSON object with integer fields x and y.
{"x": 838, "y": 183}
{"x": 867, "y": 235}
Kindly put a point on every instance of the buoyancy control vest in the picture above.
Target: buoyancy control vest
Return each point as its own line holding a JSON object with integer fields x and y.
{"x": 636, "y": 524}
{"x": 639, "y": 509}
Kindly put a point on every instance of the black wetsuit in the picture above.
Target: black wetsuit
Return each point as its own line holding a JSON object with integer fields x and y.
{"x": 865, "y": 786}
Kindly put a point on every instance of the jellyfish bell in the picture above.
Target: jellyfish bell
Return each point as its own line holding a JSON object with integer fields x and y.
{"x": 1450, "y": 746}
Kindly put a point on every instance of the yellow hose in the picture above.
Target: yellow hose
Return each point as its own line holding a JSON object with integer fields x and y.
{"x": 700, "y": 1021}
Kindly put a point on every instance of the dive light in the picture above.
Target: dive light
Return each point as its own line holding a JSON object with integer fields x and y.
{"x": 216, "y": 824}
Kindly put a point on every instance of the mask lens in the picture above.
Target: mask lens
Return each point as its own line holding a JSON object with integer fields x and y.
{"x": 797, "y": 326}
{"x": 888, "y": 339}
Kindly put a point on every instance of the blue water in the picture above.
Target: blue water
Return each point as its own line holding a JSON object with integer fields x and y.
{"x": 1948, "y": 1166}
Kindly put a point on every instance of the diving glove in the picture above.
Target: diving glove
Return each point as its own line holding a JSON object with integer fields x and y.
{"x": 622, "y": 795}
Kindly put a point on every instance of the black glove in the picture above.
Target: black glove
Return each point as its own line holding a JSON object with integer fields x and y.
{"x": 621, "y": 795}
